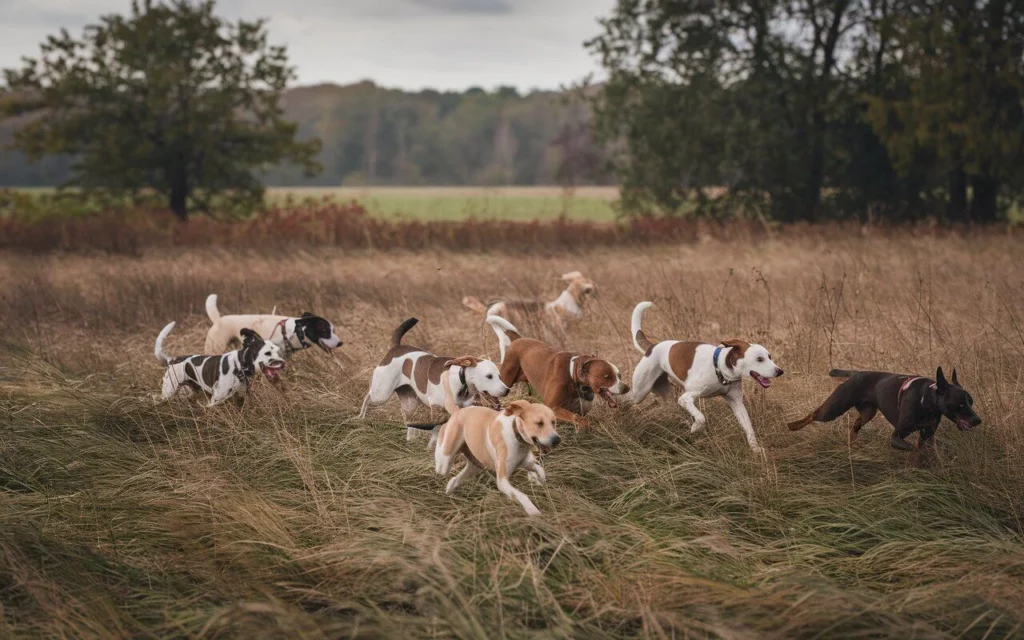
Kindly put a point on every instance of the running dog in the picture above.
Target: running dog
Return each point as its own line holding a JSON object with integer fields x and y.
{"x": 289, "y": 333}
{"x": 419, "y": 377}
{"x": 222, "y": 376}
{"x": 909, "y": 403}
{"x": 559, "y": 313}
{"x": 702, "y": 370}
{"x": 500, "y": 442}
{"x": 567, "y": 382}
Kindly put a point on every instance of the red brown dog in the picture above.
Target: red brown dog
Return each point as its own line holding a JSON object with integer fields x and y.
{"x": 567, "y": 382}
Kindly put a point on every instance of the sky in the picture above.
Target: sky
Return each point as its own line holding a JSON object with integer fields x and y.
{"x": 407, "y": 44}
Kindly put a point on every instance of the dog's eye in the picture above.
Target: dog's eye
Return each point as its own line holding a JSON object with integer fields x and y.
{"x": 490, "y": 376}
{"x": 761, "y": 359}
{"x": 540, "y": 423}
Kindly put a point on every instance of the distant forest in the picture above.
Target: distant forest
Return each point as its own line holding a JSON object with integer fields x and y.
{"x": 377, "y": 136}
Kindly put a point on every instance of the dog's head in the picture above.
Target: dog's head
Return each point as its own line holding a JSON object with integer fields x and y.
{"x": 318, "y": 330}
{"x": 482, "y": 377}
{"x": 752, "y": 360}
{"x": 954, "y": 401}
{"x": 600, "y": 376}
{"x": 257, "y": 352}
{"x": 535, "y": 423}
{"x": 579, "y": 285}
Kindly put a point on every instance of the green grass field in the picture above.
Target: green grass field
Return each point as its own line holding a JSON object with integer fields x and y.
{"x": 455, "y": 203}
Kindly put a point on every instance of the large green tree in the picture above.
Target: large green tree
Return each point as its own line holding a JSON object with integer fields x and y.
{"x": 171, "y": 98}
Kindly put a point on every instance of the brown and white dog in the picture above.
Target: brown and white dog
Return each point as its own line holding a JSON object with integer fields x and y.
{"x": 702, "y": 370}
{"x": 559, "y": 313}
{"x": 420, "y": 378}
{"x": 289, "y": 333}
{"x": 219, "y": 376}
{"x": 567, "y": 382}
{"x": 500, "y": 442}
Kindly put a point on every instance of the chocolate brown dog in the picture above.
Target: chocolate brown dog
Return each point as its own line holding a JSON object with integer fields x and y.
{"x": 909, "y": 403}
{"x": 567, "y": 382}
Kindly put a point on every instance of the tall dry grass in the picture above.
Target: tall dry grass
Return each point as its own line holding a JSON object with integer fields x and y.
{"x": 290, "y": 518}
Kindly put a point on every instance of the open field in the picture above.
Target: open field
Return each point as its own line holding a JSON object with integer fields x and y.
{"x": 290, "y": 518}
{"x": 456, "y": 203}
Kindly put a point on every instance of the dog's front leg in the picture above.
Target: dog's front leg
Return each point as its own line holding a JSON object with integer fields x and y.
{"x": 535, "y": 472}
{"x": 734, "y": 398}
{"x": 568, "y": 416}
{"x": 501, "y": 475}
{"x": 468, "y": 472}
{"x": 686, "y": 401}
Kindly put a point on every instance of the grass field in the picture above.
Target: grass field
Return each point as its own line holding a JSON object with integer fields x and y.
{"x": 456, "y": 203}
{"x": 290, "y": 518}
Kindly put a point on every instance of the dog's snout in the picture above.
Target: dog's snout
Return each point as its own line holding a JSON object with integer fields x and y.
{"x": 555, "y": 439}
{"x": 778, "y": 372}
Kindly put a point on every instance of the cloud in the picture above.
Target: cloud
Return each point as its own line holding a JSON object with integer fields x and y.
{"x": 489, "y": 7}
{"x": 410, "y": 44}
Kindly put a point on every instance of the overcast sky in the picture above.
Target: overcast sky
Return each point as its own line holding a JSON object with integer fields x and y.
{"x": 410, "y": 44}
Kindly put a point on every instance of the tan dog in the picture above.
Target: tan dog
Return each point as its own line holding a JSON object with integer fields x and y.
{"x": 560, "y": 313}
{"x": 498, "y": 441}
{"x": 567, "y": 382}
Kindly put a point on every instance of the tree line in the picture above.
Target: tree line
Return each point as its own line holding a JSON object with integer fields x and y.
{"x": 816, "y": 109}
{"x": 796, "y": 110}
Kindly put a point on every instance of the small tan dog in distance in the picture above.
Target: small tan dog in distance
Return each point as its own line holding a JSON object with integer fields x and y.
{"x": 559, "y": 313}
{"x": 500, "y": 442}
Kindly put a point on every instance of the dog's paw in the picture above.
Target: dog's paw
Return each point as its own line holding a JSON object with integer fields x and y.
{"x": 532, "y": 511}
{"x": 697, "y": 425}
{"x": 582, "y": 423}
{"x": 536, "y": 477}
{"x": 757, "y": 450}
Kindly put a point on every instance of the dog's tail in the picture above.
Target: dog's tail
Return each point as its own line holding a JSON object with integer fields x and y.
{"x": 841, "y": 373}
{"x": 158, "y": 351}
{"x": 474, "y": 304}
{"x": 396, "y": 337}
{"x": 211, "y": 308}
{"x": 640, "y": 340}
{"x": 507, "y": 334}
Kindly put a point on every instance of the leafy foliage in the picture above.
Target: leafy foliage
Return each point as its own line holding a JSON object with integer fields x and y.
{"x": 171, "y": 98}
{"x": 815, "y": 108}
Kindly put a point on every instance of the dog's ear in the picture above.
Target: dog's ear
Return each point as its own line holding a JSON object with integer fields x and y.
{"x": 953, "y": 378}
{"x": 572, "y": 275}
{"x": 306, "y": 314}
{"x": 940, "y": 380}
{"x": 249, "y": 336}
{"x": 739, "y": 349}
{"x": 462, "y": 361}
{"x": 516, "y": 408}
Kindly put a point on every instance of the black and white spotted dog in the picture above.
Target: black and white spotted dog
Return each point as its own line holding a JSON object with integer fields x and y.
{"x": 290, "y": 333}
{"x": 221, "y": 376}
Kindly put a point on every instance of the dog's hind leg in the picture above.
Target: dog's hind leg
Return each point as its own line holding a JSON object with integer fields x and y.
{"x": 842, "y": 399}
{"x": 645, "y": 379}
{"x": 866, "y": 413}
{"x": 366, "y": 405}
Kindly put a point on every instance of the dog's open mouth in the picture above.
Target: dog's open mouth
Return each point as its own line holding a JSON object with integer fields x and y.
{"x": 543, "y": 448}
{"x": 761, "y": 380}
{"x": 963, "y": 424}
{"x": 272, "y": 371}
{"x": 607, "y": 395}
{"x": 490, "y": 400}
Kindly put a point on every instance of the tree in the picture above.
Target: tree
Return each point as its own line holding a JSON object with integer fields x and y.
{"x": 961, "y": 104}
{"x": 171, "y": 98}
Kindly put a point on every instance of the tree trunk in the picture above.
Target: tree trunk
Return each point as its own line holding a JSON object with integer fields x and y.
{"x": 984, "y": 206}
{"x": 957, "y": 208}
{"x": 179, "y": 199}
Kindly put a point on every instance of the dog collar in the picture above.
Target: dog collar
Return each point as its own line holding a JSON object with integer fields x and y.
{"x": 718, "y": 370}
{"x": 906, "y": 385}
{"x": 463, "y": 387}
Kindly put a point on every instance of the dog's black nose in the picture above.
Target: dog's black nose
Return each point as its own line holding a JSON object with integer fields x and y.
{"x": 778, "y": 372}
{"x": 555, "y": 440}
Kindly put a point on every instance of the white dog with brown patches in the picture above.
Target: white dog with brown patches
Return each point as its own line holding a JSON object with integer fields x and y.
{"x": 702, "y": 370}
{"x": 559, "y": 313}
{"x": 500, "y": 442}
